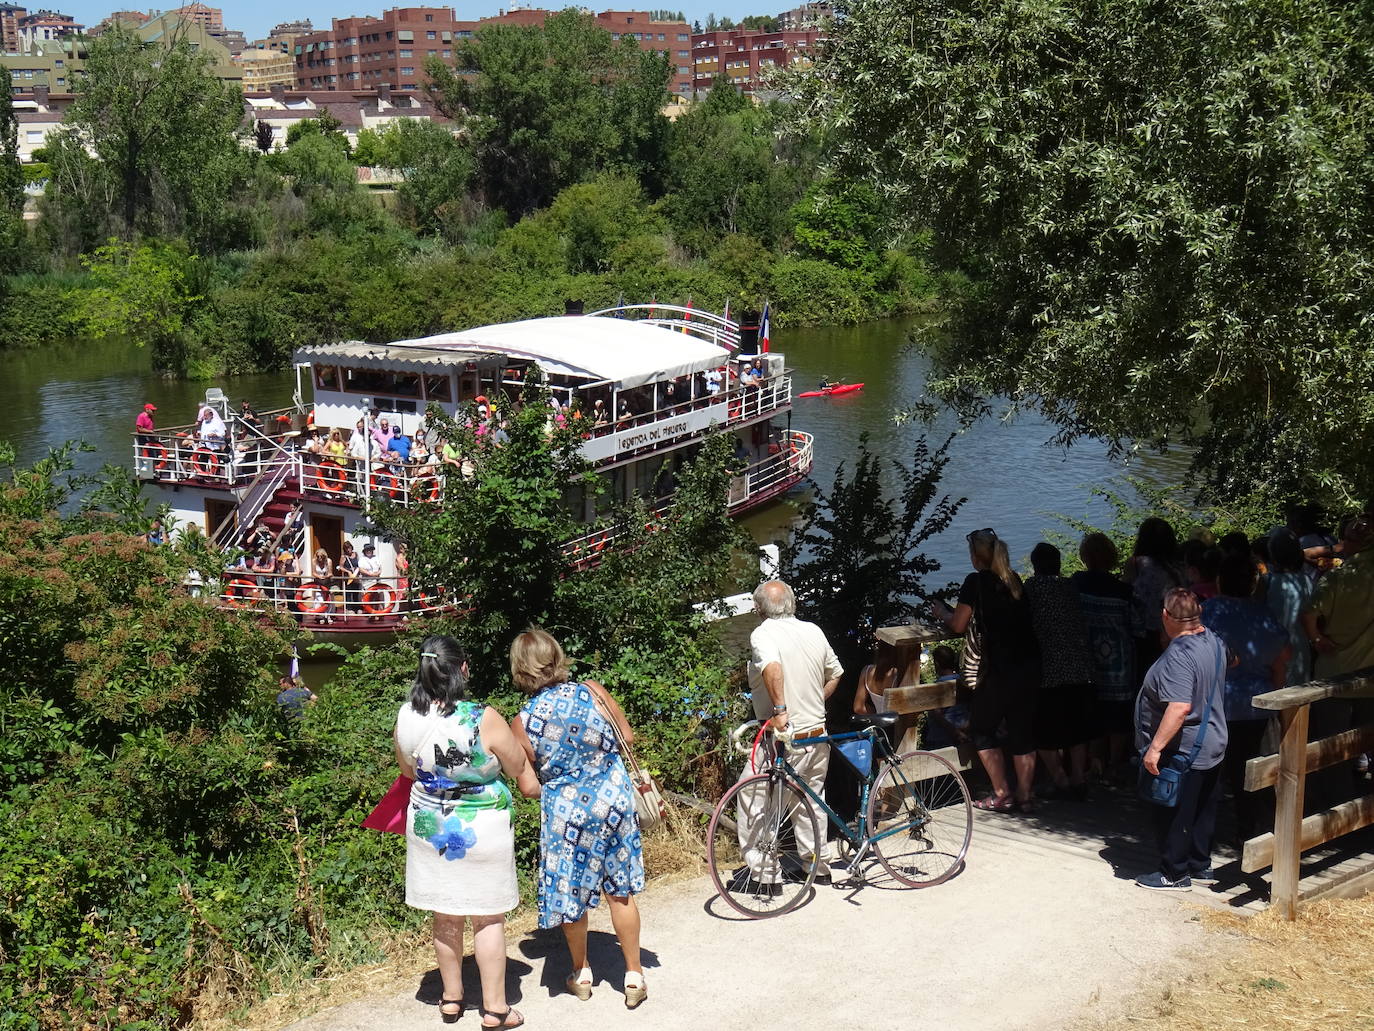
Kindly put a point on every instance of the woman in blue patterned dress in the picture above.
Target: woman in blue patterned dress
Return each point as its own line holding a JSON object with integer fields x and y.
{"x": 589, "y": 837}
{"x": 460, "y": 844}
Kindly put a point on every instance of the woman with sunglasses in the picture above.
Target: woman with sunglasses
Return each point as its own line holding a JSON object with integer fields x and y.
{"x": 1008, "y": 669}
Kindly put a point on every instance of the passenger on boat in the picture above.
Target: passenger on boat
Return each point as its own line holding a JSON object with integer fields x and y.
{"x": 295, "y": 520}
{"x": 358, "y": 443}
{"x": 156, "y": 535}
{"x": 249, "y": 417}
{"x": 322, "y": 571}
{"x": 145, "y": 427}
{"x": 259, "y": 537}
{"x": 313, "y": 445}
{"x": 265, "y": 566}
{"x": 713, "y": 381}
{"x": 336, "y": 448}
{"x": 600, "y": 417}
{"x": 210, "y": 428}
{"x": 288, "y": 576}
{"x": 381, "y": 435}
{"x": 350, "y": 577}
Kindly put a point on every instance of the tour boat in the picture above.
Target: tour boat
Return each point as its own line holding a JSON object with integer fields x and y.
{"x": 833, "y": 391}
{"x": 676, "y": 374}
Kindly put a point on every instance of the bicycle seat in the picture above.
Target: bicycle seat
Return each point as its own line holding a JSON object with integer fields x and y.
{"x": 879, "y": 719}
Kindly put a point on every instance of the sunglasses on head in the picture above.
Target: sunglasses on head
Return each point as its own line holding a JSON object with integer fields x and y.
{"x": 985, "y": 530}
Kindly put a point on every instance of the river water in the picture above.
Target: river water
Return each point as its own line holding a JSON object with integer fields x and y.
{"x": 1014, "y": 480}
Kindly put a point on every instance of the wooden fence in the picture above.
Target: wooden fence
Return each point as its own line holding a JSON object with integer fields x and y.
{"x": 1287, "y": 773}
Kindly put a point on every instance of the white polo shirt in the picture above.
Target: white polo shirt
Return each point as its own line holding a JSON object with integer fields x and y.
{"x": 808, "y": 663}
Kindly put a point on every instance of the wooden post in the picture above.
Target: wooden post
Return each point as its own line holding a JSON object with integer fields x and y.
{"x": 1288, "y": 809}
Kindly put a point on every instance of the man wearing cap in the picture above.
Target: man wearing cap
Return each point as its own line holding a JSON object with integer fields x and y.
{"x": 1339, "y": 621}
{"x": 145, "y": 428}
{"x": 1186, "y": 683}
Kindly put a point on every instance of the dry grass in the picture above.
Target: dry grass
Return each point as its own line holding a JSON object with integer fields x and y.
{"x": 1314, "y": 973}
{"x": 673, "y": 852}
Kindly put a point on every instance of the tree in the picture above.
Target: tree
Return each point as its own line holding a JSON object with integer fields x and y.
{"x": 164, "y": 133}
{"x": 325, "y": 124}
{"x": 436, "y": 165}
{"x": 11, "y": 174}
{"x": 728, "y": 172}
{"x": 547, "y": 106}
{"x": 855, "y": 561}
{"x": 262, "y": 136}
{"x": 1163, "y": 218}
{"x": 143, "y": 292}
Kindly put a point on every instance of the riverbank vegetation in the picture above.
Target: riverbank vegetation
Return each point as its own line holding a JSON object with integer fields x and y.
{"x": 176, "y": 838}
{"x": 564, "y": 180}
{"x": 1159, "y": 225}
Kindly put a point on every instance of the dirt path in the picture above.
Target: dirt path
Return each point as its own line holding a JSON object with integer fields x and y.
{"x": 1023, "y": 939}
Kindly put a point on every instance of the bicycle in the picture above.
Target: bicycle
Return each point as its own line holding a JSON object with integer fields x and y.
{"x": 915, "y": 814}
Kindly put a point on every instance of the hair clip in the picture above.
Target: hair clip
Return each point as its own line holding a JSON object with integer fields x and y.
{"x": 429, "y": 655}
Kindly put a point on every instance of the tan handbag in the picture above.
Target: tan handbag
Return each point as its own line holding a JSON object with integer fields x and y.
{"x": 650, "y": 807}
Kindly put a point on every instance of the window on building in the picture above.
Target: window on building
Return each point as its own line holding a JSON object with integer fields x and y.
{"x": 682, "y": 69}
{"x": 406, "y": 53}
{"x": 33, "y": 136}
{"x": 57, "y": 63}
{"x": 429, "y": 17}
{"x": 615, "y": 35}
{"x": 682, "y": 37}
{"x": 446, "y": 54}
{"x": 683, "y": 53}
{"x": 407, "y": 71}
{"x": 464, "y": 33}
{"x": 391, "y": 35}
{"x": 431, "y": 34}
{"x": 405, "y": 36}
{"x": 446, "y": 37}
{"x": 661, "y": 36}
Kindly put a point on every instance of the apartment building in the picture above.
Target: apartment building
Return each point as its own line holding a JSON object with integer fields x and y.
{"x": 746, "y": 57}
{"x": 355, "y": 110}
{"x": 9, "y": 26}
{"x": 361, "y": 53}
{"x": 212, "y": 18}
{"x": 45, "y": 26}
{"x": 265, "y": 68}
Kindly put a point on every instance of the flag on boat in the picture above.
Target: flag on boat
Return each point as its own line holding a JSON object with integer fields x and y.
{"x": 764, "y": 329}
{"x": 726, "y": 316}
{"x": 688, "y": 316}
{"x": 295, "y": 665}
{"x": 620, "y": 306}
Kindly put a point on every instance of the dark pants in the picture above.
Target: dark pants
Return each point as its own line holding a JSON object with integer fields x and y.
{"x": 1184, "y": 833}
{"x": 1243, "y": 739}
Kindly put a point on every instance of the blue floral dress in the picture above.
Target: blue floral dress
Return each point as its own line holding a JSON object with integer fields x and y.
{"x": 589, "y": 836}
{"x": 460, "y": 842}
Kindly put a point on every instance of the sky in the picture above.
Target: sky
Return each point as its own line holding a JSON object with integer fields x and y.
{"x": 255, "y": 18}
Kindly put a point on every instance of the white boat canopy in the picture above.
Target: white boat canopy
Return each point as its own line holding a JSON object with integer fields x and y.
{"x": 621, "y": 351}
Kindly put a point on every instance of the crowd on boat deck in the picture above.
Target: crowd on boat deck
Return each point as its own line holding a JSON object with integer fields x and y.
{"x": 1154, "y": 660}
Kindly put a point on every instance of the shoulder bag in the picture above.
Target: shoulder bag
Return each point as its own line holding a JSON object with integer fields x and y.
{"x": 1162, "y": 788}
{"x": 971, "y": 659}
{"x": 650, "y": 807}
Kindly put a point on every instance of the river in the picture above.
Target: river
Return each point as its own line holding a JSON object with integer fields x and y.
{"x": 1014, "y": 480}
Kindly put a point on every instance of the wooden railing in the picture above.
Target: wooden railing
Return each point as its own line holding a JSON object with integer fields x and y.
{"x": 1287, "y": 773}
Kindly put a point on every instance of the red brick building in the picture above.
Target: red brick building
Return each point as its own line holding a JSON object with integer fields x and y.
{"x": 744, "y": 56}
{"x": 362, "y": 53}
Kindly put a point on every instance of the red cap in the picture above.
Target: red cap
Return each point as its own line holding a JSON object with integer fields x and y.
{"x": 150, "y": 407}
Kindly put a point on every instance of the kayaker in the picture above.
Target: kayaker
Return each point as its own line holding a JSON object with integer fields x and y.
{"x": 827, "y": 383}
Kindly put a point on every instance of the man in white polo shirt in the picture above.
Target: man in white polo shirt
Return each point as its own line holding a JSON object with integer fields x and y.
{"x": 792, "y": 671}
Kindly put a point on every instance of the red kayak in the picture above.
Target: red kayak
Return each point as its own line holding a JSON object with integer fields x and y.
{"x": 843, "y": 388}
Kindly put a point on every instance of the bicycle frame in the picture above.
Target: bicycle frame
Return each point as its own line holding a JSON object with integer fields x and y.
{"x": 857, "y": 835}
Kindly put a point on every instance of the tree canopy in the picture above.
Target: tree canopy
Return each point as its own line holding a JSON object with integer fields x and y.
{"x": 1162, "y": 217}
{"x": 150, "y": 145}
{"x": 551, "y": 105}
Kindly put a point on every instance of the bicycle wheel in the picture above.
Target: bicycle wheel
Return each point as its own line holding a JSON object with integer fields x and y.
{"x": 920, "y": 828}
{"x": 768, "y": 876}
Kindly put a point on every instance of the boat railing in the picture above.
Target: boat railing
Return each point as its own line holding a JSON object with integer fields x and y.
{"x": 354, "y": 481}
{"x": 706, "y": 325}
{"x": 358, "y": 603}
{"x": 178, "y": 454}
{"x": 790, "y": 458}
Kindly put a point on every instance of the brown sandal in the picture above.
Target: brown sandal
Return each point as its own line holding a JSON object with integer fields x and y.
{"x": 503, "y": 1017}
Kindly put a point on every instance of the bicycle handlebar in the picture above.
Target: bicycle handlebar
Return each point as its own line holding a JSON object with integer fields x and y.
{"x": 738, "y": 737}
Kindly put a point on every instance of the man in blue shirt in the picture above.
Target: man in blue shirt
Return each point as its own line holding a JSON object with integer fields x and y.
{"x": 398, "y": 453}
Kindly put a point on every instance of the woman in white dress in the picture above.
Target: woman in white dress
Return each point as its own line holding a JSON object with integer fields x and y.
{"x": 460, "y": 844}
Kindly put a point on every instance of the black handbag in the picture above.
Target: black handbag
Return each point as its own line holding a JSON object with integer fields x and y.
{"x": 1163, "y": 788}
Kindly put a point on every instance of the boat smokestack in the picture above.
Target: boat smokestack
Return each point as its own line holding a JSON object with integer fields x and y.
{"x": 573, "y": 307}
{"x": 748, "y": 331}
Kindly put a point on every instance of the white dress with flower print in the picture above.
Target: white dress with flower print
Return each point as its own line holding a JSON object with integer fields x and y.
{"x": 460, "y": 843}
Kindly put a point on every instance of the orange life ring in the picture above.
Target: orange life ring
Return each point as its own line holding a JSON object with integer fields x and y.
{"x": 393, "y": 491}
{"x": 380, "y": 607}
{"x": 159, "y": 462}
{"x": 334, "y": 482}
{"x": 211, "y": 467}
{"x": 312, "y": 597}
{"x": 239, "y": 592}
{"x": 598, "y": 543}
{"x": 436, "y": 488}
